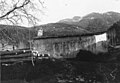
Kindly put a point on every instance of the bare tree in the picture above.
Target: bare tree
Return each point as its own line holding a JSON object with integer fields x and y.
{"x": 20, "y": 11}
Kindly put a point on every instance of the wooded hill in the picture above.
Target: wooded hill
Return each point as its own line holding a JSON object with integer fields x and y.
{"x": 13, "y": 35}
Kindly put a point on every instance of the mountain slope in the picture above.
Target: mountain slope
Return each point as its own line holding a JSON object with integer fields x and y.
{"x": 75, "y": 19}
{"x": 96, "y": 22}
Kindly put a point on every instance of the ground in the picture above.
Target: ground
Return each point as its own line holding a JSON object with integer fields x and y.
{"x": 82, "y": 69}
{"x": 61, "y": 71}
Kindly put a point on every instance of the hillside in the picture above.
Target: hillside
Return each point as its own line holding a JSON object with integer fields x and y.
{"x": 91, "y": 23}
{"x": 13, "y": 35}
{"x": 95, "y": 22}
{"x": 73, "y": 20}
{"x": 58, "y": 29}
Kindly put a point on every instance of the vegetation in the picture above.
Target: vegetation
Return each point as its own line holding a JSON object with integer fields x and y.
{"x": 13, "y": 35}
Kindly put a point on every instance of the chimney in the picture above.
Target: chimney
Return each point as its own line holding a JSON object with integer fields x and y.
{"x": 40, "y": 32}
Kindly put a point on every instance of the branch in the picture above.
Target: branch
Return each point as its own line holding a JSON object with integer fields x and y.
{"x": 22, "y": 11}
{"x": 15, "y": 7}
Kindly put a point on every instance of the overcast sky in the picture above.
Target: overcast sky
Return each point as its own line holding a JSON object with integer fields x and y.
{"x": 61, "y": 9}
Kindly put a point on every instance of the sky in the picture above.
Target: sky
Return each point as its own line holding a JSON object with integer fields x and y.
{"x": 60, "y": 9}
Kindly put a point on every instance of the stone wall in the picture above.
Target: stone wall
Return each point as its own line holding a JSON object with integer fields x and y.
{"x": 61, "y": 47}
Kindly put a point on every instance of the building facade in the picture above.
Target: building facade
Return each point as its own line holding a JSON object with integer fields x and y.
{"x": 113, "y": 34}
{"x": 64, "y": 46}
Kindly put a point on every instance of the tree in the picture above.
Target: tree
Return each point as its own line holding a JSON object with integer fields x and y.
{"x": 16, "y": 12}
{"x": 3, "y": 43}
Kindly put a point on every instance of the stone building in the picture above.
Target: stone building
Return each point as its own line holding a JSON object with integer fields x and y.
{"x": 64, "y": 46}
{"x": 113, "y": 34}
